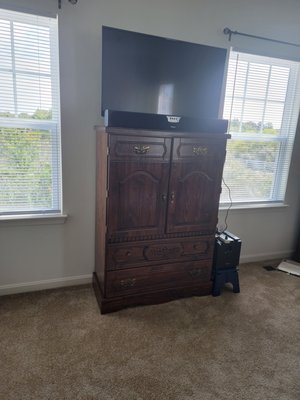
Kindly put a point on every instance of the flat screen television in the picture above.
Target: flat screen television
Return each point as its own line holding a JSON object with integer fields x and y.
{"x": 150, "y": 74}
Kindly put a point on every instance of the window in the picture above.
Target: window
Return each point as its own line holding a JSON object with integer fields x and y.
{"x": 262, "y": 104}
{"x": 30, "y": 161}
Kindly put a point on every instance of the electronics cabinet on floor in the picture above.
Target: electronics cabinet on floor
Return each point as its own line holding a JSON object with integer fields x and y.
{"x": 297, "y": 252}
{"x": 157, "y": 206}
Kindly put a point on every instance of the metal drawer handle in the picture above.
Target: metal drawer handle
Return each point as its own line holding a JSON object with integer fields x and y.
{"x": 126, "y": 283}
{"x": 139, "y": 149}
{"x": 172, "y": 197}
{"x": 199, "y": 151}
{"x": 195, "y": 273}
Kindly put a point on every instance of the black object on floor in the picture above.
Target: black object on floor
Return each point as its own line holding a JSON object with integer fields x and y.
{"x": 226, "y": 276}
{"x": 269, "y": 268}
{"x": 226, "y": 260}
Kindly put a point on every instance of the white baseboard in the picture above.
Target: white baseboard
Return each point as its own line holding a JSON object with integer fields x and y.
{"x": 87, "y": 279}
{"x": 265, "y": 256}
{"x": 45, "y": 284}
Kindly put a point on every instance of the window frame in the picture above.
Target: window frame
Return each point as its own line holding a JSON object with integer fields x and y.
{"x": 52, "y": 125}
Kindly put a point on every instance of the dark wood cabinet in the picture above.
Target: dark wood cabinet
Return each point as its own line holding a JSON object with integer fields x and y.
{"x": 156, "y": 216}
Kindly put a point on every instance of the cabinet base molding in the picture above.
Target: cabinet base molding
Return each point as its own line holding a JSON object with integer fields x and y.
{"x": 108, "y": 305}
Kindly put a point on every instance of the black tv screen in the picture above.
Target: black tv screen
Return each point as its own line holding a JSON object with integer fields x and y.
{"x": 150, "y": 74}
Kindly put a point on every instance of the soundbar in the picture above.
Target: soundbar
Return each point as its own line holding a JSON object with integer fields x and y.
{"x": 135, "y": 120}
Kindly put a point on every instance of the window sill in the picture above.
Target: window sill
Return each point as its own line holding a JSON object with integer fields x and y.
{"x": 253, "y": 206}
{"x": 33, "y": 219}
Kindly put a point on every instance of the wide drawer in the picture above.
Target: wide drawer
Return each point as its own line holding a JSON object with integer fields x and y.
{"x": 147, "y": 279}
{"x": 150, "y": 252}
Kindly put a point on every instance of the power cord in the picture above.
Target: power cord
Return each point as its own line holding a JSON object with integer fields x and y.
{"x": 228, "y": 209}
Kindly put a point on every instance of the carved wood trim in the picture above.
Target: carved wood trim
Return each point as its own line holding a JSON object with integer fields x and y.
{"x": 163, "y": 251}
{"x": 119, "y": 239}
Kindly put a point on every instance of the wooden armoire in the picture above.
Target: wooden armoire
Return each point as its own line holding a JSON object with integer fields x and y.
{"x": 156, "y": 214}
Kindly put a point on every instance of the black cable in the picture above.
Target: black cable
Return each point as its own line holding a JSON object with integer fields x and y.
{"x": 230, "y": 205}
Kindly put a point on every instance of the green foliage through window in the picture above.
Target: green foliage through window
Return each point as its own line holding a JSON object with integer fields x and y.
{"x": 25, "y": 169}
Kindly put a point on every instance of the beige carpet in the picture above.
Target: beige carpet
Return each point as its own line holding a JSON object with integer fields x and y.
{"x": 56, "y": 345}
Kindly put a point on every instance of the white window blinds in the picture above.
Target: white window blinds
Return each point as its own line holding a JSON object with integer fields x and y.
{"x": 30, "y": 160}
{"x": 262, "y": 104}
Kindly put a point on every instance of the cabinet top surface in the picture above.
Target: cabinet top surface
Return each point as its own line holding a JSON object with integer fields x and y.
{"x": 156, "y": 133}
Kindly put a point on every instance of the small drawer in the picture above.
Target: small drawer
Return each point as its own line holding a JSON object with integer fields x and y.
{"x": 159, "y": 277}
{"x": 118, "y": 255}
{"x": 197, "y": 149}
{"x": 150, "y": 252}
{"x": 139, "y": 148}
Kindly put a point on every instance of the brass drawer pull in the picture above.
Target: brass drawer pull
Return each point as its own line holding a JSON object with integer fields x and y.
{"x": 195, "y": 273}
{"x": 172, "y": 197}
{"x": 139, "y": 149}
{"x": 199, "y": 151}
{"x": 127, "y": 283}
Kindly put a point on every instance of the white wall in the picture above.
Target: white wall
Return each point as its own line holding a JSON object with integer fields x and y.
{"x": 46, "y": 254}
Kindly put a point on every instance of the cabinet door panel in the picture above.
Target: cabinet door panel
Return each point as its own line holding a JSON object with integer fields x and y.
{"x": 195, "y": 185}
{"x": 137, "y": 199}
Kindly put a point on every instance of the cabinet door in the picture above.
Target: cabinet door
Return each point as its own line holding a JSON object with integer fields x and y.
{"x": 195, "y": 185}
{"x": 138, "y": 184}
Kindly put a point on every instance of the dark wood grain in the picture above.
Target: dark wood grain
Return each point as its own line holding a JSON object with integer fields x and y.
{"x": 137, "y": 254}
{"x": 108, "y": 305}
{"x": 195, "y": 185}
{"x": 137, "y": 198}
{"x": 163, "y": 276}
{"x": 157, "y": 205}
{"x": 139, "y": 149}
{"x": 101, "y": 185}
